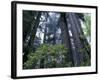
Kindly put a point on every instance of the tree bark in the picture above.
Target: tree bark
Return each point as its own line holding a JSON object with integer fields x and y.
{"x": 76, "y": 47}
{"x": 32, "y": 36}
{"x": 65, "y": 34}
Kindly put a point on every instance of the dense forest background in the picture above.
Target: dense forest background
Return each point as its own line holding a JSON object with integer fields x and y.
{"x": 56, "y": 39}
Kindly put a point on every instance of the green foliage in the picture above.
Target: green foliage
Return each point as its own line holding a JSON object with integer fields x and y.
{"x": 87, "y": 23}
{"x": 86, "y": 57}
{"x": 48, "y": 56}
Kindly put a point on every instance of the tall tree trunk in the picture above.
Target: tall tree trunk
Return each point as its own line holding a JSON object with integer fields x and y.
{"x": 32, "y": 36}
{"x": 65, "y": 34}
{"x": 75, "y": 40}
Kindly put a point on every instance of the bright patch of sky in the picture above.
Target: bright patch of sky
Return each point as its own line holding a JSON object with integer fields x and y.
{"x": 39, "y": 33}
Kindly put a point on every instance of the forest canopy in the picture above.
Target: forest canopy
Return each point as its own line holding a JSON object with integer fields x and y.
{"x": 56, "y": 39}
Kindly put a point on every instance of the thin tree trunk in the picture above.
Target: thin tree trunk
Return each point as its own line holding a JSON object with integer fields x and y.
{"x": 32, "y": 36}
